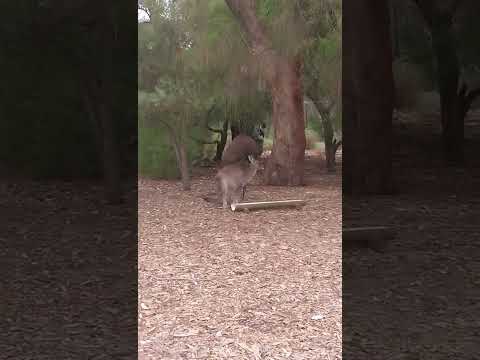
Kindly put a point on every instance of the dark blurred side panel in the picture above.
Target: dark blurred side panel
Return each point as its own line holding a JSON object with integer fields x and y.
{"x": 411, "y": 179}
{"x": 68, "y": 179}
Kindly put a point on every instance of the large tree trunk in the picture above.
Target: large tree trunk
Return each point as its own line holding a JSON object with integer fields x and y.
{"x": 96, "y": 82}
{"x": 286, "y": 163}
{"x": 367, "y": 98}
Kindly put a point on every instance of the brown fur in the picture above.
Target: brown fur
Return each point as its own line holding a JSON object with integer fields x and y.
{"x": 234, "y": 177}
{"x": 239, "y": 149}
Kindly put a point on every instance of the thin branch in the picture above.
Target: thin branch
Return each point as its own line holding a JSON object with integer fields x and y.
{"x": 217, "y": 131}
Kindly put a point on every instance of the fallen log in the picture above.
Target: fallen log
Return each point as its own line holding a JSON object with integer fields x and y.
{"x": 374, "y": 237}
{"x": 267, "y": 204}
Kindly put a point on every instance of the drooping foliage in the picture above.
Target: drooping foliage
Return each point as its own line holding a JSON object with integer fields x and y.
{"x": 196, "y": 71}
{"x": 193, "y": 74}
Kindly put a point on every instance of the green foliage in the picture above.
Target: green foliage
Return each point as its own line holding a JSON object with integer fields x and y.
{"x": 190, "y": 59}
{"x": 155, "y": 156}
{"x": 193, "y": 55}
{"x": 322, "y": 53}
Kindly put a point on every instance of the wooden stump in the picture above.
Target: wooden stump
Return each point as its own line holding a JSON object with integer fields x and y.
{"x": 374, "y": 237}
{"x": 267, "y": 204}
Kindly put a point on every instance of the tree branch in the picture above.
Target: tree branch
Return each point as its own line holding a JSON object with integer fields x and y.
{"x": 217, "y": 131}
{"x": 259, "y": 43}
{"x": 244, "y": 11}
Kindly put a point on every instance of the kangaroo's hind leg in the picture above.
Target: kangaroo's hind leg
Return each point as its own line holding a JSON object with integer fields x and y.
{"x": 238, "y": 194}
{"x": 223, "y": 186}
{"x": 244, "y": 188}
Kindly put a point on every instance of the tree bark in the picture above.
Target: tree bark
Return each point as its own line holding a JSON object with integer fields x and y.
{"x": 182, "y": 162}
{"x": 111, "y": 166}
{"x": 394, "y": 29}
{"x": 286, "y": 163}
{"x": 367, "y": 98}
{"x": 99, "y": 109}
{"x": 184, "y": 170}
{"x": 101, "y": 83}
{"x": 181, "y": 156}
{"x": 331, "y": 145}
{"x": 223, "y": 141}
{"x": 92, "y": 112}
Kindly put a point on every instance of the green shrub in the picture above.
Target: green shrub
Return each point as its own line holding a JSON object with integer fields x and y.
{"x": 156, "y": 157}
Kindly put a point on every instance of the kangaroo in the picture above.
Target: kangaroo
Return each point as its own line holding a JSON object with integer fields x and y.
{"x": 234, "y": 177}
{"x": 239, "y": 149}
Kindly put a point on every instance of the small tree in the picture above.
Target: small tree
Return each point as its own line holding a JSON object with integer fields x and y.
{"x": 174, "y": 113}
{"x": 323, "y": 73}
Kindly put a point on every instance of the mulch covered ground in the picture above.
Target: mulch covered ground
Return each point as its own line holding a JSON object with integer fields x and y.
{"x": 217, "y": 284}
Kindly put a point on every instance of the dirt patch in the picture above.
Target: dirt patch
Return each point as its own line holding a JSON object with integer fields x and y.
{"x": 217, "y": 284}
